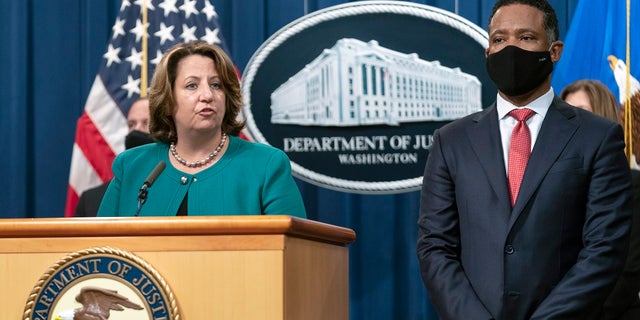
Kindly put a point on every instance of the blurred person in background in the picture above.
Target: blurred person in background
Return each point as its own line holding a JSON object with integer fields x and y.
{"x": 623, "y": 303}
{"x": 138, "y": 123}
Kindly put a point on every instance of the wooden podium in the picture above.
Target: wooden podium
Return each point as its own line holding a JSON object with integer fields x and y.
{"x": 231, "y": 267}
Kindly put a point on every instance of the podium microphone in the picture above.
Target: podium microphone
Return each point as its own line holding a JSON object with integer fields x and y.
{"x": 151, "y": 178}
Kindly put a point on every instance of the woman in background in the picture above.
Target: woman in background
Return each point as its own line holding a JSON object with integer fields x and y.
{"x": 594, "y": 96}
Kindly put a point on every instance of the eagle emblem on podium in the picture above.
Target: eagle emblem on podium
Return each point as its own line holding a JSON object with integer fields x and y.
{"x": 97, "y": 304}
{"x": 101, "y": 283}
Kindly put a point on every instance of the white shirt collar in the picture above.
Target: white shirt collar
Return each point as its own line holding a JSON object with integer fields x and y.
{"x": 539, "y": 105}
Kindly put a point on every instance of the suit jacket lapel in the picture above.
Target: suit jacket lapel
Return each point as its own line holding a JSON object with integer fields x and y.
{"x": 556, "y": 131}
{"x": 487, "y": 146}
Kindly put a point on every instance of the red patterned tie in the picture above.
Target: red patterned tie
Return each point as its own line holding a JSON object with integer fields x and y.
{"x": 519, "y": 150}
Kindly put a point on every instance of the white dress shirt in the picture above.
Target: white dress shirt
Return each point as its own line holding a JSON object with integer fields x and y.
{"x": 507, "y": 122}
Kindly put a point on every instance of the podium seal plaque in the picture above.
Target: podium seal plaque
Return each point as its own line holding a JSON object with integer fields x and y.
{"x": 101, "y": 283}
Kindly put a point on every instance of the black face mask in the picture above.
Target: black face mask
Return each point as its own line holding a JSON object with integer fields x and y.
{"x": 517, "y": 71}
{"x": 136, "y": 138}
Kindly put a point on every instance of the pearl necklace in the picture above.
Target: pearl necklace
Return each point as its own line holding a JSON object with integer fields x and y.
{"x": 198, "y": 163}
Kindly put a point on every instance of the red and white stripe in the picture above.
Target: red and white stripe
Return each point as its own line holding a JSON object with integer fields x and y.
{"x": 100, "y": 133}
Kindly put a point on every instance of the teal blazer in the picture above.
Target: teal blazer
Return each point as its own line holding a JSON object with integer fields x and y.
{"x": 249, "y": 179}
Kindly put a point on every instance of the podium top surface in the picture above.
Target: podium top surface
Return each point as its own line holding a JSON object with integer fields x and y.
{"x": 175, "y": 226}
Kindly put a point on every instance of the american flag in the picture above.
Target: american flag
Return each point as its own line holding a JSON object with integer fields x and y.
{"x": 132, "y": 53}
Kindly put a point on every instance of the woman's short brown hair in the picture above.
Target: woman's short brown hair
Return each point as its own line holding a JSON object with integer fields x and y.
{"x": 161, "y": 99}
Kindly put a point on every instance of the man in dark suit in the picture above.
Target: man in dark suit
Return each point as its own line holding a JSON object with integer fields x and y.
{"x": 138, "y": 123}
{"x": 89, "y": 201}
{"x": 551, "y": 244}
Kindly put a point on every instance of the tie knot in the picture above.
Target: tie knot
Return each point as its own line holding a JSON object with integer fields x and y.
{"x": 522, "y": 114}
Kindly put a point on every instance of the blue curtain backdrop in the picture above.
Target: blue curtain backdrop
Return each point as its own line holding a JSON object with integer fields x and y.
{"x": 50, "y": 54}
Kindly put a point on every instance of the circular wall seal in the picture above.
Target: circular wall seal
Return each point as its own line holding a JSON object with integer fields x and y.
{"x": 354, "y": 92}
{"x": 101, "y": 283}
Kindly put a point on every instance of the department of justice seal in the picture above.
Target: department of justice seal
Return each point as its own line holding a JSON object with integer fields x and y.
{"x": 101, "y": 283}
{"x": 353, "y": 93}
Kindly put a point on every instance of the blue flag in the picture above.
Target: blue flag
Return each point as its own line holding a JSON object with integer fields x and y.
{"x": 596, "y": 45}
{"x": 602, "y": 44}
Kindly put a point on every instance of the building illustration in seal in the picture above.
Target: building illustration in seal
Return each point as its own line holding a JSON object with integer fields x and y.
{"x": 358, "y": 83}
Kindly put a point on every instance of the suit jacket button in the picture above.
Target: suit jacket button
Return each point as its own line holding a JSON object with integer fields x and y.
{"x": 509, "y": 249}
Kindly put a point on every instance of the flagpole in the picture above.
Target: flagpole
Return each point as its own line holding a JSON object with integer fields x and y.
{"x": 143, "y": 67}
{"x": 628, "y": 113}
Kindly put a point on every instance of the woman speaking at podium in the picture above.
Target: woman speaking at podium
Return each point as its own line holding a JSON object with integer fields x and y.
{"x": 199, "y": 166}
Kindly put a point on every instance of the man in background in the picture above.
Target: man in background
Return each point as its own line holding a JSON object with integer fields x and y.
{"x": 138, "y": 123}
